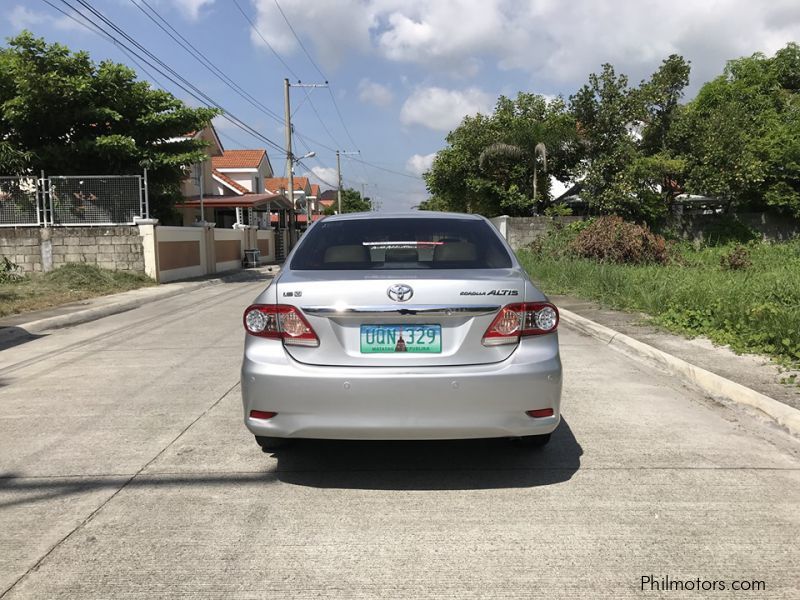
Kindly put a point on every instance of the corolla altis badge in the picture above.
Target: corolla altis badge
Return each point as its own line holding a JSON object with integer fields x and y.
{"x": 491, "y": 293}
{"x": 400, "y": 292}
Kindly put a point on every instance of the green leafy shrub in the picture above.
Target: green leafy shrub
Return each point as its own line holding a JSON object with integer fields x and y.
{"x": 557, "y": 241}
{"x": 558, "y": 210}
{"x": 611, "y": 239}
{"x": 9, "y": 271}
{"x": 737, "y": 259}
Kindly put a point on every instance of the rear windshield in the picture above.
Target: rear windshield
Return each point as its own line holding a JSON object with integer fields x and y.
{"x": 362, "y": 244}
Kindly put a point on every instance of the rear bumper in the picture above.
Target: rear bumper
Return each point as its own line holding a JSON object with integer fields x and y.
{"x": 385, "y": 403}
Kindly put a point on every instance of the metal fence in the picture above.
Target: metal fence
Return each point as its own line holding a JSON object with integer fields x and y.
{"x": 74, "y": 200}
{"x": 20, "y": 201}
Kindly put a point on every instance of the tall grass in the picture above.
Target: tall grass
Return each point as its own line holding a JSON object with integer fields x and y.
{"x": 74, "y": 281}
{"x": 752, "y": 310}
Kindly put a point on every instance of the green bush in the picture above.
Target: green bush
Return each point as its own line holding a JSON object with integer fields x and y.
{"x": 611, "y": 239}
{"x": 9, "y": 271}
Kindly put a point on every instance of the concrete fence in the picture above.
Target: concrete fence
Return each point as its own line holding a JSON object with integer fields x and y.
{"x": 163, "y": 253}
{"x": 172, "y": 253}
{"x": 42, "y": 249}
{"x": 521, "y": 231}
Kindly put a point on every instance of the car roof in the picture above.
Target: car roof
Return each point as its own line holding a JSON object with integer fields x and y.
{"x": 404, "y": 215}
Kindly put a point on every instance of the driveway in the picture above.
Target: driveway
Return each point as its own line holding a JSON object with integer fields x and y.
{"x": 126, "y": 472}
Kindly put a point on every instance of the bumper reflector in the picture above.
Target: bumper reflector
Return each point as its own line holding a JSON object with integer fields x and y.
{"x": 540, "y": 412}
{"x": 261, "y": 414}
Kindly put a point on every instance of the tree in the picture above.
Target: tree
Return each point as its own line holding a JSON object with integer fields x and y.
{"x": 62, "y": 113}
{"x": 740, "y": 137}
{"x": 628, "y": 168}
{"x": 489, "y": 163}
{"x": 351, "y": 202}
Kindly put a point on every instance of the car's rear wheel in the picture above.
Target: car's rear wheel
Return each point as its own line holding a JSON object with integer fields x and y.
{"x": 534, "y": 441}
{"x": 270, "y": 443}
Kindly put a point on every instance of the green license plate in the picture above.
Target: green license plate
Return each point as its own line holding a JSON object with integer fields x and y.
{"x": 401, "y": 338}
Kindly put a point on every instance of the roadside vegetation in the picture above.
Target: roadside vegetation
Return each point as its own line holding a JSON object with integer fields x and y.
{"x": 633, "y": 147}
{"x": 70, "y": 283}
{"x": 745, "y": 295}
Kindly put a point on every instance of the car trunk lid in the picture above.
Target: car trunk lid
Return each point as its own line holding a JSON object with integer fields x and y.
{"x": 439, "y": 320}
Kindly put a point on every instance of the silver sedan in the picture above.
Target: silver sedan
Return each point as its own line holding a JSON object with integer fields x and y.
{"x": 404, "y": 326}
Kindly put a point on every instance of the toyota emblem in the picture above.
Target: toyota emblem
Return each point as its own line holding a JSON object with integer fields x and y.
{"x": 400, "y": 292}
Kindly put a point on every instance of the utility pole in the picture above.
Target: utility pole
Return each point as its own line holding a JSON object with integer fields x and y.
{"x": 290, "y": 160}
{"x": 339, "y": 182}
{"x": 339, "y": 174}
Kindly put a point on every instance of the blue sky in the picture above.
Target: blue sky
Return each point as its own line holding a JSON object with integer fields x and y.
{"x": 404, "y": 72}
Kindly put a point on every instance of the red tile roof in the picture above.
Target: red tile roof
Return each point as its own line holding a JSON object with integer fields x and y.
{"x": 327, "y": 202}
{"x": 236, "y": 187}
{"x": 238, "y": 159}
{"x": 276, "y": 183}
{"x": 315, "y": 190}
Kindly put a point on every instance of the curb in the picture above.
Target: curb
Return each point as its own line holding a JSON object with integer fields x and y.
{"x": 711, "y": 383}
{"x": 93, "y": 313}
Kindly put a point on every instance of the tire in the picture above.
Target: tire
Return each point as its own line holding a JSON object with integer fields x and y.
{"x": 271, "y": 443}
{"x": 534, "y": 441}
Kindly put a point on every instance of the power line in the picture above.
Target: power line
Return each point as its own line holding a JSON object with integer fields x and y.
{"x": 164, "y": 69}
{"x": 266, "y": 43}
{"x": 316, "y": 66}
{"x": 109, "y": 39}
{"x": 203, "y": 59}
{"x": 312, "y": 174}
{"x": 374, "y": 166}
{"x": 299, "y": 41}
{"x": 297, "y": 77}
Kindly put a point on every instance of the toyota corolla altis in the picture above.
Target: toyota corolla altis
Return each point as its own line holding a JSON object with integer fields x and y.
{"x": 404, "y": 326}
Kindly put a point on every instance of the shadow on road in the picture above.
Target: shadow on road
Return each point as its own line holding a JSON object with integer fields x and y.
{"x": 434, "y": 465}
{"x": 14, "y": 336}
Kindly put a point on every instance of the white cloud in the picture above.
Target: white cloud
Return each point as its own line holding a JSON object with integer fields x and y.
{"x": 191, "y": 8}
{"x": 24, "y": 18}
{"x": 557, "y": 42}
{"x": 442, "y": 109}
{"x": 331, "y": 27}
{"x": 322, "y": 175}
{"x": 420, "y": 163}
{"x": 374, "y": 93}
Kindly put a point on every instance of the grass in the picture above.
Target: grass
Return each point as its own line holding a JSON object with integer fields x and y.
{"x": 756, "y": 309}
{"x": 66, "y": 284}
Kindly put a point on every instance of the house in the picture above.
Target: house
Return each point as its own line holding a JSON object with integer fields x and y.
{"x": 328, "y": 198}
{"x": 313, "y": 199}
{"x": 230, "y": 186}
{"x": 302, "y": 188}
{"x": 241, "y": 171}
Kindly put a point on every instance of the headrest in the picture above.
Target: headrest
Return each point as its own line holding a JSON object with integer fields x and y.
{"x": 455, "y": 252}
{"x": 401, "y": 255}
{"x": 346, "y": 254}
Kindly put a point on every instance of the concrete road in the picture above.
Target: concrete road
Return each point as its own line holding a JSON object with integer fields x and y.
{"x": 126, "y": 472}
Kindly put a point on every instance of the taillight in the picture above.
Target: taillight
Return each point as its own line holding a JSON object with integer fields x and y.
{"x": 280, "y": 322}
{"x": 517, "y": 320}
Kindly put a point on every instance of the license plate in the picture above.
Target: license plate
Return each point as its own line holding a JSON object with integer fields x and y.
{"x": 401, "y": 338}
